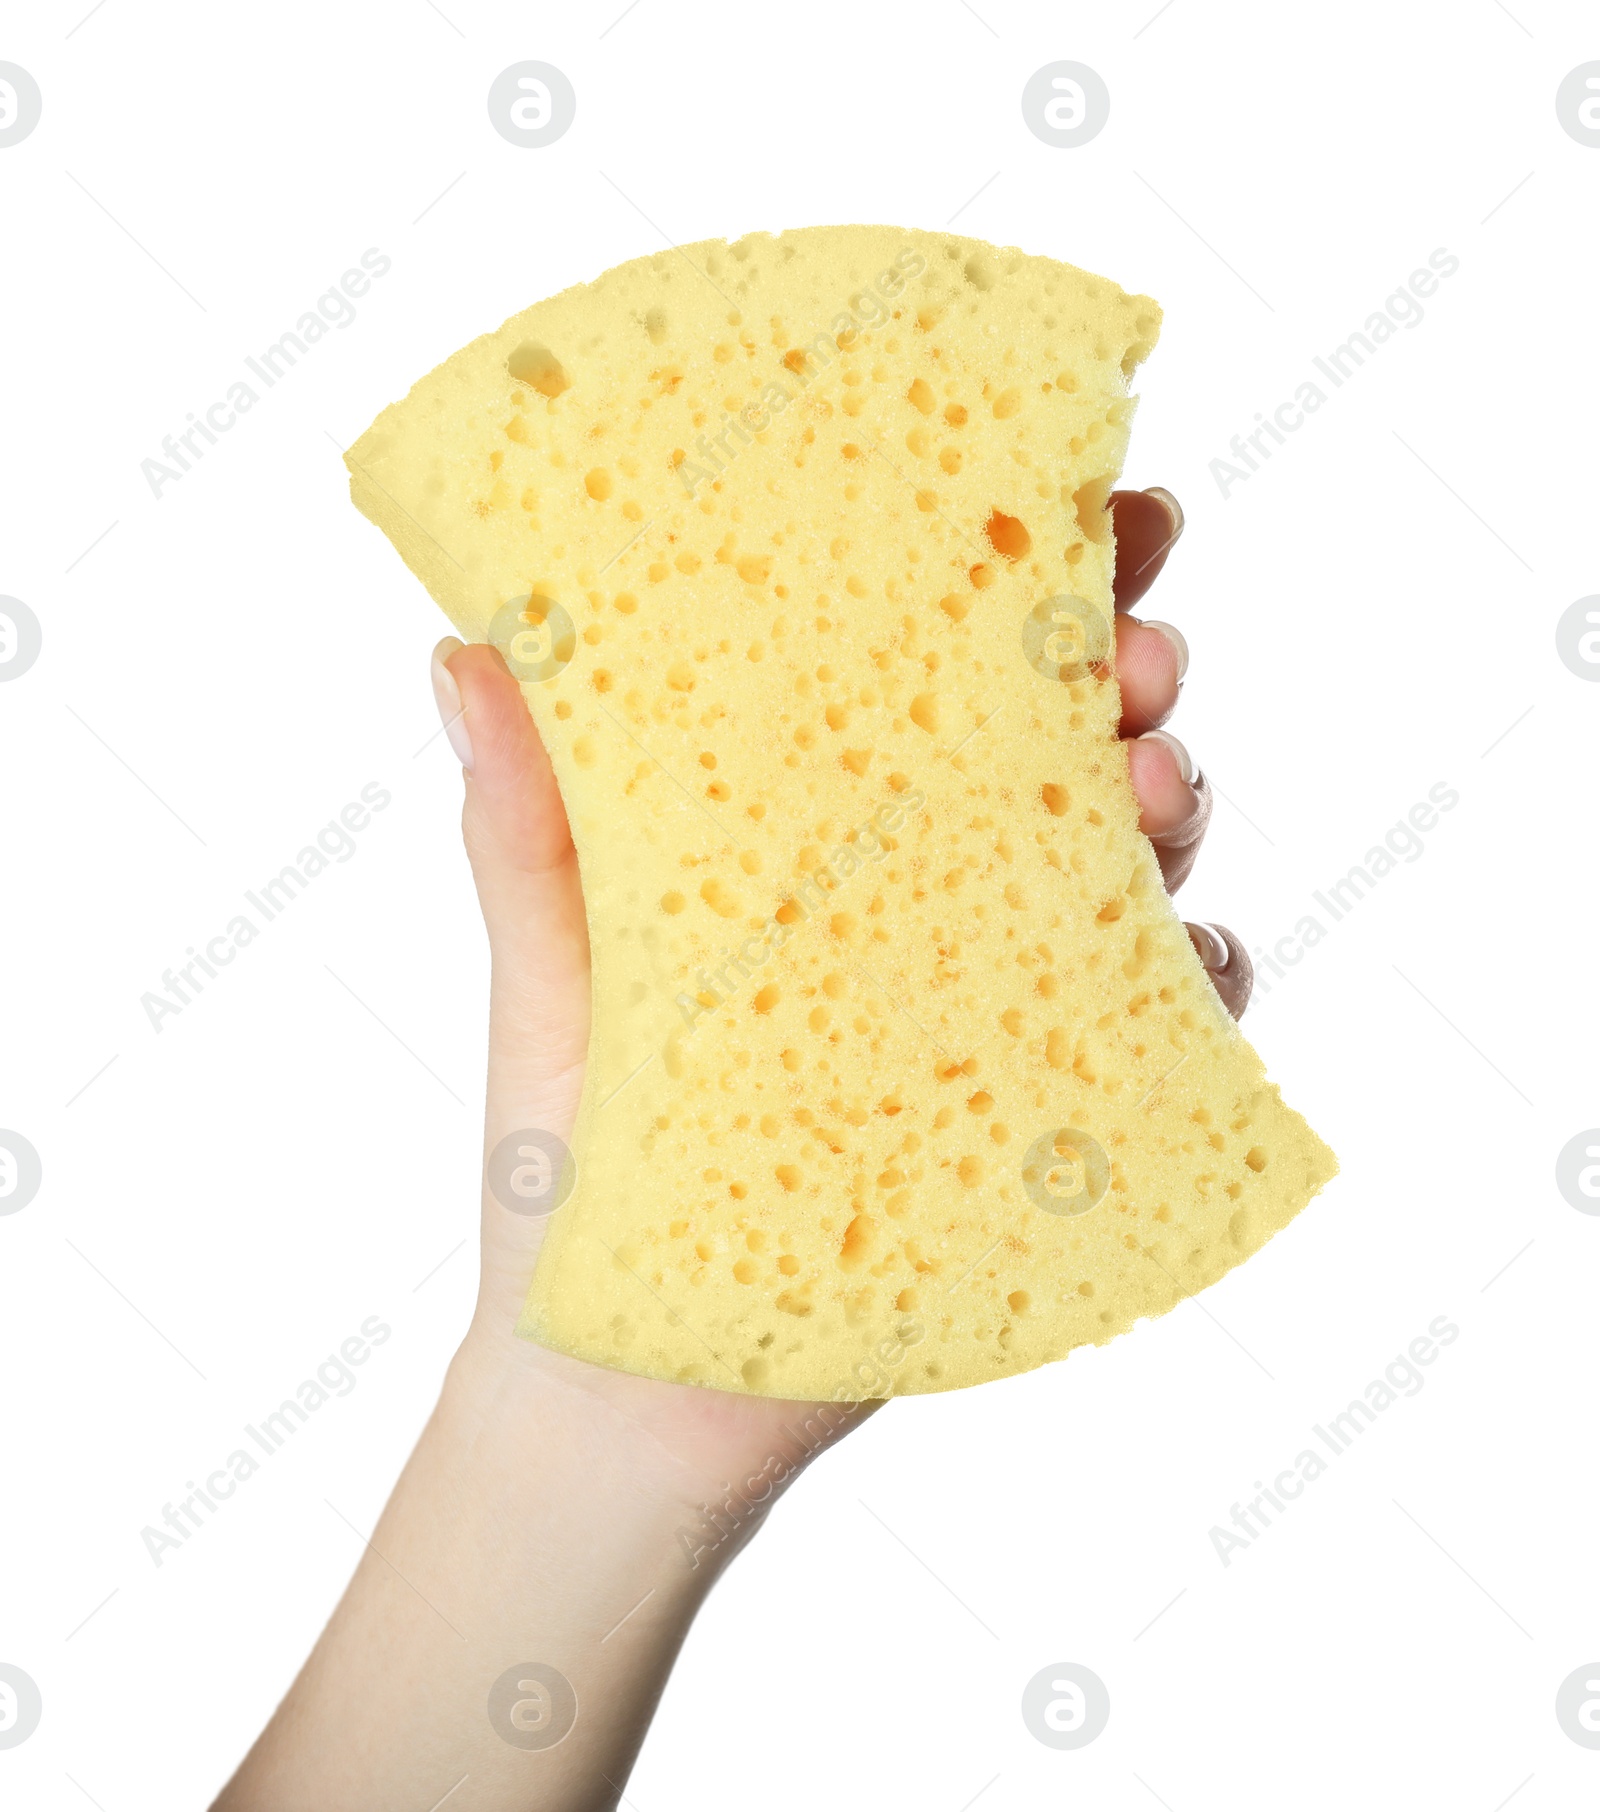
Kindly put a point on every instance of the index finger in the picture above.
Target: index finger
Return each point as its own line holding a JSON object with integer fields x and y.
{"x": 1146, "y": 523}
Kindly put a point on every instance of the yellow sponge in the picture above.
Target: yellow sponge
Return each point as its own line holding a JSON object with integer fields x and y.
{"x": 903, "y": 1074}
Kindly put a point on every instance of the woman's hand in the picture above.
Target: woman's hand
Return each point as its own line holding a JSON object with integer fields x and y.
{"x": 528, "y": 883}
{"x": 1152, "y": 658}
{"x": 511, "y": 1626}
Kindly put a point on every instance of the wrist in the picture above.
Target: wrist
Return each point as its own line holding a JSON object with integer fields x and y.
{"x": 704, "y": 1465}
{"x": 663, "y": 1454}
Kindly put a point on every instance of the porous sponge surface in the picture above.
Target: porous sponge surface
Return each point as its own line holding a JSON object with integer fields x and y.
{"x": 904, "y": 1074}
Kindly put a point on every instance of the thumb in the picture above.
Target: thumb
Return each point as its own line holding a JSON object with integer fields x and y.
{"x": 526, "y": 871}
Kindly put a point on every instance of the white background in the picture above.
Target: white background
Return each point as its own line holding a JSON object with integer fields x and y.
{"x": 1371, "y": 613}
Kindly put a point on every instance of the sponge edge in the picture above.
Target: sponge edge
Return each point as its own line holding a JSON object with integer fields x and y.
{"x": 903, "y": 1072}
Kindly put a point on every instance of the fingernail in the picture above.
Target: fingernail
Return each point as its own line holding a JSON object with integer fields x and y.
{"x": 1173, "y": 508}
{"x": 1180, "y": 647}
{"x": 1180, "y": 754}
{"x": 447, "y": 696}
{"x": 1209, "y": 945}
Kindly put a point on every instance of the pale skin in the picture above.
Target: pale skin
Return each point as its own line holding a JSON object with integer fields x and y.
{"x": 551, "y": 1512}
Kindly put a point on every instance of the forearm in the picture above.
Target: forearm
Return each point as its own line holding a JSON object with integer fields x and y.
{"x": 534, "y": 1523}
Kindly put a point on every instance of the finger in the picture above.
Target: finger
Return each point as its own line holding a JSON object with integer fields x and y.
{"x": 1152, "y": 659}
{"x": 1174, "y": 802}
{"x": 1231, "y": 971}
{"x": 1146, "y": 524}
{"x": 525, "y": 867}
